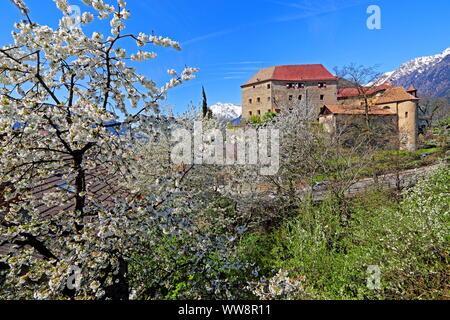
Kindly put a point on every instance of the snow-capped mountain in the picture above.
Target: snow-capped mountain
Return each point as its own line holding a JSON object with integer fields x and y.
{"x": 430, "y": 75}
{"x": 418, "y": 65}
{"x": 226, "y": 111}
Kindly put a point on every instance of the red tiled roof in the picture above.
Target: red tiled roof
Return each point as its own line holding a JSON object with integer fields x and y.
{"x": 102, "y": 188}
{"x": 305, "y": 72}
{"x": 355, "y": 110}
{"x": 411, "y": 88}
{"x": 396, "y": 94}
{"x": 354, "y": 92}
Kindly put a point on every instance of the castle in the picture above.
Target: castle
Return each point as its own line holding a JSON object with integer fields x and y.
{"x": 315, "y": 90}
{"x": 272, "y": 89}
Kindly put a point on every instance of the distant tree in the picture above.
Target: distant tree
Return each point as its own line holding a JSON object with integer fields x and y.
{"x": 269, "y": 116}
{"x": 361, "y": 78}
{"x": 308, "y": 156}
{"x": 255, "y": 119}
{"x": 432, "y": 110}
{"x": 262, "y": 119}
{"x": 205, "y": 109}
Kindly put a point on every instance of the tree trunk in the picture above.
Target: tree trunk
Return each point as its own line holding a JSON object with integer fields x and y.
{"x": 120, "y": 289}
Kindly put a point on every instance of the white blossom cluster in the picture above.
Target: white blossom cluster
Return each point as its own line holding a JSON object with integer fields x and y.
{"x": 142, "y": 55}
{"x": 280, "y": 286}
{"x": 21, "y": 6}
{"x": 70, "y": 107}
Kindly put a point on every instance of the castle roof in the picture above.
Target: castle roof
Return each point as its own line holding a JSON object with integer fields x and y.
{"x": 391, "y": 94}
{"x": 354, "y": 110}
{"x": 411, "y": 88}
{"x": 396, "y": 94}
{"x": 305, "y": 72}
{"x": 354, "y": 92}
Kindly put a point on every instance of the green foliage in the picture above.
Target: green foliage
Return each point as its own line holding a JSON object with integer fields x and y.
{"x": 269, "y": 116}
{"x": 163, "y": 274}
{"x": 441, "y": 132}
{"x": 258, "y": 120}
{"x": 407, "y": 240}
{"x": 390, "y": 161}
{"x": 437, "y": 135}
{"x": 255, "y": 119}
{"x": 383, "y": 162}
{"x": 174, "y": 268}
{"x": 205, "y": 109}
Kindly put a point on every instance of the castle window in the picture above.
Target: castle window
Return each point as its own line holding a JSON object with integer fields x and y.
{"x": 322, "y": 85}
{"x": 301, "y": 85}
{"x": 322, "y": 97}
{"x": 250, "y": 101}
{"x": 268, "y": 99}
{"x": 386, "y": 107}
{"x": 258, "y": 99}
{"x": 259, "y": 112}
{"x": 290, "y": 98}
{"x": 300, "y": 97}
{"x": 268, "y": 86}
{"x": 406, "y": 114}
{"x": 250, "y": 113}
{"x": 289, "y": 85}
{"x": 269, "y": 111}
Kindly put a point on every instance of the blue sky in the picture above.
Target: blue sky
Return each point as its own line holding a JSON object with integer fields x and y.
{"x": 230, "y": 40}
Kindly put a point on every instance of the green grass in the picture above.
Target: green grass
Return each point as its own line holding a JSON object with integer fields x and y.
{"x": 405, "y": 237}
{"x": 388, "y": 161}
{"x": 392, "y": 161}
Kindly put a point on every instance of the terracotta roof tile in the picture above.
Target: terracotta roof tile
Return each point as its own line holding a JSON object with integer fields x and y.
{"x": 306, "y": 72}
{"x": 355, "y": 110}
{"x": 101, "y": 186}
{"x": 354, "y": 92}
{"x": 396, "y": 94}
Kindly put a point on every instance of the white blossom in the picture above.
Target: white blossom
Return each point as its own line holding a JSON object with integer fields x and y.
{"x": 87, "y": 17}
{"x": 21, "y": 5}
{"x": 64, "y": 98}
{"x": 143, "y": 55}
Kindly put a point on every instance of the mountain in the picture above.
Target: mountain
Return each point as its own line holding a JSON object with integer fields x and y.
{"x": 434, "y": 81}
{"x": 226, "y": 111}
{"x": 430, "y": 75}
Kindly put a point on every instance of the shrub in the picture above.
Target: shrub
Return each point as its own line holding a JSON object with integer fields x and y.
{"x": 406, "y": 240}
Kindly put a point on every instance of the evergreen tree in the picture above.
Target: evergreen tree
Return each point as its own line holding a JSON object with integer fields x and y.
{"x": 204, "y": 104}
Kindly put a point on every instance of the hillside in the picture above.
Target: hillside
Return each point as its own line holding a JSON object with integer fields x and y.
{"x": 430, "y": 75}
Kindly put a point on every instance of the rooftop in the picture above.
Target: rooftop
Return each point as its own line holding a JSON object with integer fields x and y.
{"x": 305, "y": 72}
{"x": 354, "y": 92}
{"x": 354, "y": 110}
{"x": 396, "y": 94}
{"x": 411, "y": 88}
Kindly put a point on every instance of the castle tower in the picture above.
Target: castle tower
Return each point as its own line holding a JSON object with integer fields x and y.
{"x": 407, "y": 124}
{"x": 412, "y": 90}
{"x": 404, "y": 104}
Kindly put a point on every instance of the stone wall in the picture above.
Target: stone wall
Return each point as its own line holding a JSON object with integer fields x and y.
{"x": 274, "y": 96}
{"x": 407, "y": 122}
{"x": 250, "y": 102}
{"x": 311, "y": 96}
{"x": 407, "y": 125}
